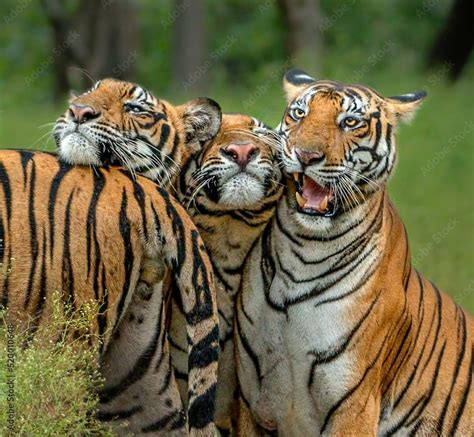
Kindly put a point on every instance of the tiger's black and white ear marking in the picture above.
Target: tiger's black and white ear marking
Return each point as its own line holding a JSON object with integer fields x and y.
{"x": 295, "y": 81}
{"x": 201, "y": 118}
{"x": 404, "y": 107}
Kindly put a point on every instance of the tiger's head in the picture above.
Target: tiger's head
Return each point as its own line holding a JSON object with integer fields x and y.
{"x": 339, "y": 143}
{"x": 237, "y": 169}
{"x": 120, "y": 123}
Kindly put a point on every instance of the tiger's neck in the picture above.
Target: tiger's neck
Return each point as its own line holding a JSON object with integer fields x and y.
{"x": 229, "y": 236}
{"x": 329, "y": 265}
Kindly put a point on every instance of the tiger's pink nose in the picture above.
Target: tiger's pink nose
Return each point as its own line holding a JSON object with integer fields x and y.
{"x": 82, "y": 113}
{"x": 309, "y": 157}
{"x": 241, "y": 153}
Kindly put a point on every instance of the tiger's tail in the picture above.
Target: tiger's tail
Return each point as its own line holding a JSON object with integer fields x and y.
{"x": 191, "y": 269}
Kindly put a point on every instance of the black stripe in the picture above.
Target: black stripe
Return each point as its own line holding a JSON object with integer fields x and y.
{"x": 120, "y": 415}
{"x": 7, "y": 192}
{"x": 330, "y": 355}
{"x": 349, "y": 393}
{"x": 67, "y": 270}
{"x": 38, "y": 312}
{"x": 459, "y": 360}
{"x": 438, "y": 327}
{"x": 139, "y": 369}
{"x": 33, "y": 237}
{"x": 55, "y": 184}
{"x": 128, "y": 258}
{"x": 434, "y": 380}
{"x": 25, "y": 157}
{"x": 253, "y": 356}
{"x": 139, "y": 196}
{"x": 206, "y": 351}
{"x": 99, "y": 183}
{"x": 201, "y": 410}
{"x": 467, "y": 392}
{"x": 203, "y": 307}
{"x": 174, "y": 420}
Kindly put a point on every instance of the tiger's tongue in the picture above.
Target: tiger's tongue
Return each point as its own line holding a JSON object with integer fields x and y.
{"x": 316, "y": 197}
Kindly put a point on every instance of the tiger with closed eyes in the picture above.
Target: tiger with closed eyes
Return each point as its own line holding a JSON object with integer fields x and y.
{"x": 120, "y": 123}
{"x": 336, "y": 332}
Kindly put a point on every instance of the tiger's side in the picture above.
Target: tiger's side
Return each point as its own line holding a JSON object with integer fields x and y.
{"x": 121, "y": 123}
{"x": 230, "y": 189}
{"x": 91, "y": 234}
{"x": 337, "y": 333}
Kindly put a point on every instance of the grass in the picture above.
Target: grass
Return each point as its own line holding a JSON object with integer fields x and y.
{"x": 433, "y": 186}
{"x": 50, "y": 384}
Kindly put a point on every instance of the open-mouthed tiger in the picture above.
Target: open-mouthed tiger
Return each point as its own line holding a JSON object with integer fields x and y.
{"x": 122, "y": 123}
{"x": 336, "y": 332}
{"x": 230, "y": 190}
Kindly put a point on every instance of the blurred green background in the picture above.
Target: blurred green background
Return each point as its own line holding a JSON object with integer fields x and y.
{"x": 236, "y": 52}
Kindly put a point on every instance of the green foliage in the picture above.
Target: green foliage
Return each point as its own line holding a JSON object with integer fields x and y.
{"x": 52, "y": 379}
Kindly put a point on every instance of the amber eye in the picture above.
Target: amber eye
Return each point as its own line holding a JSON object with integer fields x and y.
{"x": 350, "y": 122}
{"x": 298, "y": 113}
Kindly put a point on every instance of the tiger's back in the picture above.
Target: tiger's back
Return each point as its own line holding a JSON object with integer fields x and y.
{"x": 89, "y": 234}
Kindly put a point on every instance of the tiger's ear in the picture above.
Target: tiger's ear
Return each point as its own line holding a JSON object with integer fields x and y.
{"x": 201, "y": 119}
{"x": 296, "y": 81}
{"x": 404, "y": 107}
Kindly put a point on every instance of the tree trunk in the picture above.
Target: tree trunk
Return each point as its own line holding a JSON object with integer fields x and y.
{"x": 454, "y": 43}
{"x": 190, "y": 69}
{"x": 97, "y": 40}
{"x": 303, "y": 41}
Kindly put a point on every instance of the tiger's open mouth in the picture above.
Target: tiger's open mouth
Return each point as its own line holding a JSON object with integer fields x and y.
{"x": 314, "y": 199}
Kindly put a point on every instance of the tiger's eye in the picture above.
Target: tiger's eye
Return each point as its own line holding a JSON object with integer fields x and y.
{"x": 299, "y": 113}
{"x": 350, "y": 121}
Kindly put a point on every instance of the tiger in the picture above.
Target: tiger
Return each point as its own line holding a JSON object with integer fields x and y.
{"x": 121, "y": 123}
{"x": 230, "y": 190}
{"x": 336, "y": 332}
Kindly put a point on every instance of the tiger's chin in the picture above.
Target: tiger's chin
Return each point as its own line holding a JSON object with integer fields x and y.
{"x": 76, "y": 149}
{"x": 243, "y": 191}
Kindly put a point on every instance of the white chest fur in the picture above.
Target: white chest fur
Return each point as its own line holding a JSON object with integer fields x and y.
{"x": 293, "y": 330}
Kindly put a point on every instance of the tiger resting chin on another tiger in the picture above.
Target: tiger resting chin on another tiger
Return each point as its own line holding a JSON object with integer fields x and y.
{"x": 336, "y": 332}
{"x": 120, "y": 123}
